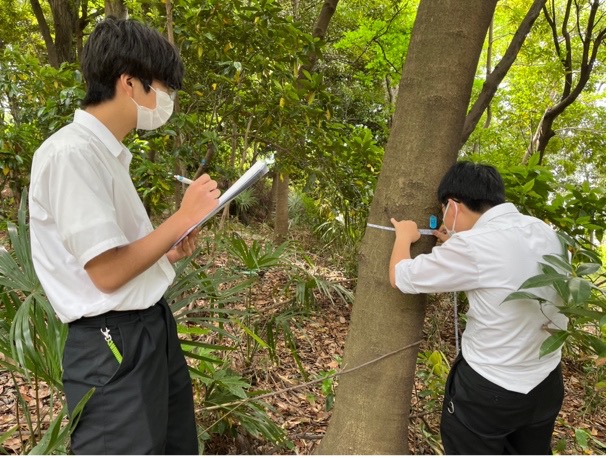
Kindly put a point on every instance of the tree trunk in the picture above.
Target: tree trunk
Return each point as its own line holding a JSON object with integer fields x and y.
{"x": 281, "y": 227}
{"x": 115, "y": 8}
{"x": 65, "y": 26}
{"x": 43, "y": 26}
{"x": 588, "y": 40}
{"x": 274, "y": 193}
{"x": 372, "y": 404}
{"x": 319, "y": 31}
{"x": 65, "y": 20}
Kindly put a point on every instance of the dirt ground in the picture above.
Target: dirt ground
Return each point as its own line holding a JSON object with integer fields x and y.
{"x": 303, "y": 415}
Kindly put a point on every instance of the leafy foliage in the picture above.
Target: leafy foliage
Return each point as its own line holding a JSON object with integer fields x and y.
{"x": 433, "y": 372}
{"x": 301, "y": 287}
{"x": 579, "y": 210}
{"x": 32, "y": 340}
{"x": 230, "y": 316}
{"x": 577, "y": 278}
{"x": 37, "y": 100}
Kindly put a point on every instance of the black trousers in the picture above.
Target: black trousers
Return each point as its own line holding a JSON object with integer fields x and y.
{"x": 481, "y": 418}
{"x": 144, "y": 405}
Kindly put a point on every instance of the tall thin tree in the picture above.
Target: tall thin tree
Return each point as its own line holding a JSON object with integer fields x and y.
{"x": 282, "y": 178}
{"x": 496, "y": 76}
{"x": 576, "y": 45}
{"x": 371, "y": 412}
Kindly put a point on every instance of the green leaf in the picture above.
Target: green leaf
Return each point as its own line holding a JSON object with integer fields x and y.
{"x": 580, "y": 290}
{"x": 522, "y": 295}
{"x": 582, "y": 437}
{"x": 251, "y": 333}
{"x": 553, "y": 342}
{"x": 543, "y": 280}
{"x": 583, "y": 312}
{"x": 587, "y": 269}
{"x": 559, "y": 263}
{"x": 528, "y": 186}
{"x": 597, "y": 345}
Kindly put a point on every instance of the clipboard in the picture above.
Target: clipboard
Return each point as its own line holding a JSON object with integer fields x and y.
{"x": 258, "y": 170}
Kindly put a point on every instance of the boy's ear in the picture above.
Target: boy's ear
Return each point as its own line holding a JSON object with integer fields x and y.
{"x": 125, "y": 85}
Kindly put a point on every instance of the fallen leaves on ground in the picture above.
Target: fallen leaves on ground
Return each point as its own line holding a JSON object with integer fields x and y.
{"x": 320, "y": 343}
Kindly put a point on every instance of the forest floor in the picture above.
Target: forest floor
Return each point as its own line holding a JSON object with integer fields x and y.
{"x": 580, "y": 428}
{"x": 301, "y": 410}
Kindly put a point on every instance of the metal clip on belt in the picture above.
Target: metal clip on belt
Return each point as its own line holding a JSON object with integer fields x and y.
{"x": 113, "y": 348}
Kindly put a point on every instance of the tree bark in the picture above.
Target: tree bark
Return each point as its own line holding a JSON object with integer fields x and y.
{"x": 372, "y": 404}
{"x": 324, "y": 19}
{"x": 43, "y": 26}
{"x": 115, "y": 8}
{"x": 65, "y": 26}
{"x": 65, "y": 20}
{"x": 319, "y": 31}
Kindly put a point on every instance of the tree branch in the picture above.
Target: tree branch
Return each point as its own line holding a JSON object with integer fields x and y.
{"x": 46, "y": 33}
{"x": 494, "y": 79}
{"x": 571, "y": 91}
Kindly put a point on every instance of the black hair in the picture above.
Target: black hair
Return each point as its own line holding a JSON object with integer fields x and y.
{"x": 478, "y": 186}
{"x": 118, "y": 46}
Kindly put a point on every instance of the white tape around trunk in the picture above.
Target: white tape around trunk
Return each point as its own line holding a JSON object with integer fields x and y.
{"x": 388, "y": 228}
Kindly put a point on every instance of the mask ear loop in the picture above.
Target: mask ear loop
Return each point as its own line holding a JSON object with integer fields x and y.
{"x": 454, "y": 294}
{"x": 445, "y": 212}
{"x": 455, "y": 215}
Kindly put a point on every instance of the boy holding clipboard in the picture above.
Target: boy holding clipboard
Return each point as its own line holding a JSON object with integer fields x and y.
{"x": 102, "y": 265}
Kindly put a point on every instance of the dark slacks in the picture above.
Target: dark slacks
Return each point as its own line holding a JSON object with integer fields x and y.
{"x": 481, "y": 418}
{"x": 144, "y": 405}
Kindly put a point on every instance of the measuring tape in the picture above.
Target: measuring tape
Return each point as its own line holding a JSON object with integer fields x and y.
{"x": 388, "y": 228}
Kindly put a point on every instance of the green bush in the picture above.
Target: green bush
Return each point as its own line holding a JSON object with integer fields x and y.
{"x": 32, "y": 341}
{"x": 578, "y": 277}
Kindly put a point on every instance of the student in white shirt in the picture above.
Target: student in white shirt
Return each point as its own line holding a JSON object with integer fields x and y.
{"x": 501, "y": 397}
{"x": 102, "y": 265}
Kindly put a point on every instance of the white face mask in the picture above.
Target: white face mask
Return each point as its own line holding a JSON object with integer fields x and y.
{"x": 150, "y": 119}
{"x": 452, "y": 231}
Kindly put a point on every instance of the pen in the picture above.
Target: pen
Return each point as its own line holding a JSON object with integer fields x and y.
{"x": 183, "y": 179}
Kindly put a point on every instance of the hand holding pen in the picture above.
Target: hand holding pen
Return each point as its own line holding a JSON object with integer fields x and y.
{"x": 201, "y": 197}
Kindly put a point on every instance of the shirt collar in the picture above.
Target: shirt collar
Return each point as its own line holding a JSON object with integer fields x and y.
{"x": 494, "y": 212}
{"x": 102, "y": 132}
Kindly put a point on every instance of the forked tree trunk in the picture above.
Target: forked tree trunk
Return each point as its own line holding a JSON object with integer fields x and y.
{"x": 59, "y": 41}
{"x": 372, "y": 404}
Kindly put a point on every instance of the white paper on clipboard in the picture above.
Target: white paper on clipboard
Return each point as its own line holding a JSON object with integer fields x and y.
{"x": 250, "y": 177}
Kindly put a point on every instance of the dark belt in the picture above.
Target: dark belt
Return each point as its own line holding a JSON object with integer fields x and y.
{"x": 117, "y": 317}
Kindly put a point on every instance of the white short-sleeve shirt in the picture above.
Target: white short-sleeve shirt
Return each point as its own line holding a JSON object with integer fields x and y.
{"x": 501, "y": 340}
{"x": 82, "y": 203}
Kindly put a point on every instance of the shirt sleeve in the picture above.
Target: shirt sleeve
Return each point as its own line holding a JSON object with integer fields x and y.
{"x": 449, "y": 267}
{"x": 80, "y": 198}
